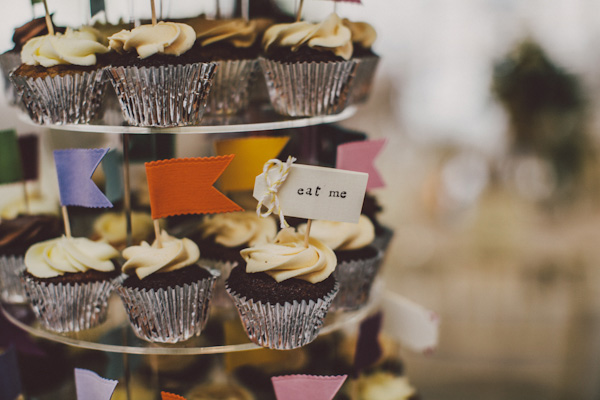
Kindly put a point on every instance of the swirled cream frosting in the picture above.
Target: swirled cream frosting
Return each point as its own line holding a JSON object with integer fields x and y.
{"x": 238, "y": 32}
{"x": 363, "y": 34}
{"x": 72, "y": 47}
{"x": 329, "y": 35}
{"x": 62, "y": 255}
{"x": 287, "y": 258}
{"x": 239, "y": 228}
{"x": 111, "y": 226}
{"x": 342, "y": 235}
{"x": 147, "y": 259}
{"x": 163, "y": 38}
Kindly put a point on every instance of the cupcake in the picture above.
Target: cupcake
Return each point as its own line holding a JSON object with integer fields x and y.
{"x": 308, "y": 67}
{"x": 231, "y": 43}
{"x": 358, "y": 259}
{"x": 159, "y": 79}
{"x": 363, "y": 36}
{"x": 16, "y": 235}
{"x": 61, "y": 78}
{"x": 166, "y": 294}
{"x": 283, "y": 290}
{"x": 68, "y": 281}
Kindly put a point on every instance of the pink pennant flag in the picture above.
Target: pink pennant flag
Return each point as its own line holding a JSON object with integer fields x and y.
{"x": 360, "y": 156}
{"x": 91, "y": 386}
{"x": 302, "y": 387}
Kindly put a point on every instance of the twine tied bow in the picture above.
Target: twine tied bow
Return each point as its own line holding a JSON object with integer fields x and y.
{"x": 269, "y": 199}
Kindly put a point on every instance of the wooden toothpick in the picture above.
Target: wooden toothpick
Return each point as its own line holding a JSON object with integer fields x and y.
{"x": 66, "y": 222}
{"x": 153, "y": 8}
{"x": 157, "y": 233}
{"x": 307, "y": 233}
{"x": 299, "y": 13}
{"x": 48, "y": 19}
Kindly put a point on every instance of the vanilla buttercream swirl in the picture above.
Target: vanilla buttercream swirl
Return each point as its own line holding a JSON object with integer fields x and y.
{"x": 239, "y": 228}
{"x": 163, "y": 38}
{"x": 342, "y": 235}
{"x": 113, "y": 227}
{"x": 71, "y": 48}
{"x": 329, "y": 35}
{"x": 363, "y": 33}
{"x": 287, "y": 257}
{"x": 55, "y": 257}
{"x": 238, "y": 32}
{"x": 173, "y": 254}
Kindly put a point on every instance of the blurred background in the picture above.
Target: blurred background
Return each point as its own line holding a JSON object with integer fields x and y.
{"x": 490, "y": 111}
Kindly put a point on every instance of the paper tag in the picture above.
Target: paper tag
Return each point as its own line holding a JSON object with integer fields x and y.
{"x": 318, "y": 193}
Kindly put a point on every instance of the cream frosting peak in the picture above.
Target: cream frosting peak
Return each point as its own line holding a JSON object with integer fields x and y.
{"x": 363, "y": 33}
{"x": 147, "y": 259}
{"x": 329, "y": 35}
{"x": 343, "y": 235}
{"x": 238, "y": 32}
{"x": 72, "y": 47}
{"x": 164, "y": 37}
{"x": 287, "y": 258}
{"x": 112, "y": 227}
{"x": 58, "y": 256}
{"x": 239, "y": 228}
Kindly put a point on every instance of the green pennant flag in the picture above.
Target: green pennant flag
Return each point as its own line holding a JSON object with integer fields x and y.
{"x": 10, "y": 158}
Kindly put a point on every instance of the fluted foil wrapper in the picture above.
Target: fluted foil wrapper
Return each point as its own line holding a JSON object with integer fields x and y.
{"x": 11, "y": 288}
{"x": 59, "y": 100}
{"x": 10, "y": 61}
{"x": 355, "y": 279}
{"x": 382, "y": 240}
{"x": 69, "y": 307}
{"x": 220, "y": 298}
{"x": 309, "y": 88}
{"x": 230, "y": 88}
{"x": 169, "y": 95}
{"x": 171, "y": 314}
{"x": 282, "y": 326}
{"x": 363, "y": 81}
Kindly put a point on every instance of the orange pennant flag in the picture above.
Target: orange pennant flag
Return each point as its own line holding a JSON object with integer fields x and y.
{"x": 250, "y": 156}
{"x": 171, "y": 396}
{"x": 185, "y": 186}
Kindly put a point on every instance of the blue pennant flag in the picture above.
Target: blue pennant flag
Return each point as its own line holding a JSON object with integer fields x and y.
{"x": 91, "y": 386}
{"x": 75, "y": 168}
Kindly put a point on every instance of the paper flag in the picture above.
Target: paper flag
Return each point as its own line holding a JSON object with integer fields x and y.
{"x": 185, "y": 186}
{"x": 250, "y": 156}
{"x": 302, "y": 387}
{"x": 171, "y": 396}
{"x": 75, "y": 168}
{"x": 317, "y": 192}
{"x": 368, "y": 349}
{"x": 360, "y": 156}
{"x": 411, "y": 324}
{"x": 28, "y": 147}
{"x": 10, "y": 382}
{"x": 91, "y": 386}
{"x": 10, "y": 160}
{"x": 112, "y": 165}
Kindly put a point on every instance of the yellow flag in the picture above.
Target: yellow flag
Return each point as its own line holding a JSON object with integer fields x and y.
{"x": 250, "y": 156}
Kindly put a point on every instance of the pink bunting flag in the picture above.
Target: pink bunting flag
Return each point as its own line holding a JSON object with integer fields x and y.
{"x": 360, "y": 156}
{"x": 302, "y": 387}
{"x": 91, "y": 386}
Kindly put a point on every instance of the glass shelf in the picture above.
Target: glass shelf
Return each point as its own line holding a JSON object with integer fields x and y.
{"x": 116, "y": 336}
{"x": 256, "y": 118}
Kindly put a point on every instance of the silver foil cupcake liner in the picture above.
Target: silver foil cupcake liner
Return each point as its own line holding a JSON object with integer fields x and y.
{"x": 220, "y": 298}
{"x": 383, "y": 238}
{"x": 171, "y": 314}
{"x": 308, "y": 88}
{"x": 355, "y": 279}
{"x": 230, "y": 87}
{"x": 61, "y": 99}
{"x": 10, "y": 61}
{"x": 168, "y": 95}
{"x": 282, "y": 326}
{"x": 68, "y": 307}
{"x": 11, "y": 288}
{"x": 363, "y": 80}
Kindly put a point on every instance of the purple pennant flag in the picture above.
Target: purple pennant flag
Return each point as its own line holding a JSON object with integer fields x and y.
{"x": 10, "y": 383}
{"x": 75, "y": 168}
{"x": 302, "y": 387}
{"x": 368, "y": 349}
{"x": 91, "y": 386}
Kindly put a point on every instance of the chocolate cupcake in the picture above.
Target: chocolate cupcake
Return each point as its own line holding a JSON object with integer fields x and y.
{"x": 159, "y": 77}
{"x": 68, "y": 281}
{"x": 358, "y": 259}
{"x": 167, "y": 294}
{"x": 61, "y": 79}
{"x": 308, "y": 67}
{"x": 16, "y": 235}
{"x": 284, "y": 290}
{"x": 363, "y": 36}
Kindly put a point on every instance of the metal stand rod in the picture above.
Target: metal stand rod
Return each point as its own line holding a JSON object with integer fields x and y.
{"x": 126, "y": 190}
